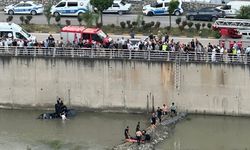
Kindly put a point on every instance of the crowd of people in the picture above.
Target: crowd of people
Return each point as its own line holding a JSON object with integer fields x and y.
{"x": 142, "y": 135}
{"x": 151, "y": 43}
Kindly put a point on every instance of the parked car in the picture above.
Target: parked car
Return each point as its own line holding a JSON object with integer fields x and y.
{"x": 232, "y": 8}
{"x": 161, "y": 8}
{"x": 119, "y": 6}
{"x": 209, "y": 14}
{"x": 27, "y": 7}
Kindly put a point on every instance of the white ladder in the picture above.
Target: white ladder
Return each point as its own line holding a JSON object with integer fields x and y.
{"x": 177, "y": 69}
{"x": 232, "y": 23}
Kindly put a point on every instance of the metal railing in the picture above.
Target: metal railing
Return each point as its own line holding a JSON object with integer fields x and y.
{"x": 145, "y": 55}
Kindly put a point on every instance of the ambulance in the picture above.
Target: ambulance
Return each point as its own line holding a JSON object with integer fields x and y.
{"x": 12, "y": 30}
{"x": 73, "y": 34}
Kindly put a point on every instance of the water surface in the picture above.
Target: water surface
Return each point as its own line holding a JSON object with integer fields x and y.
{"x": 94, "y": 131}
{"x": 209, "y": 133}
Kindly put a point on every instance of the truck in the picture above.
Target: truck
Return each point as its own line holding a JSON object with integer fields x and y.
{"x": 73, "y": 34}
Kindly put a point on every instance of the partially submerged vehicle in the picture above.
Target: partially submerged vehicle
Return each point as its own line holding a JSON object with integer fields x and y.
{"x": 52, "y": 115}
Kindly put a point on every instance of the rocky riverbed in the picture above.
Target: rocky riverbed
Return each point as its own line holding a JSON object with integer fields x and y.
{"x": 158, "y": 134}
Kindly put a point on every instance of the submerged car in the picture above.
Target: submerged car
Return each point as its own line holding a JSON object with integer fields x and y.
{"x": 119, "y": 6}
{"x": 208, "y": 14}
{"x": 27, "y": 7}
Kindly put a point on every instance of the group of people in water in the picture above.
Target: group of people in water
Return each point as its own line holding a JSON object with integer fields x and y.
{"x": 141, "y": 135}
{"x": 60, "y": 109}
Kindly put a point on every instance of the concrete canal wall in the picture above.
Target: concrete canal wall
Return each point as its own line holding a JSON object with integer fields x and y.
{"x": 124, "y": 85}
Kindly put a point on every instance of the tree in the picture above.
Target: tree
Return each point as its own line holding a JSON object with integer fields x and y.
{"x": 47, "y": 12}
{"x": 22, "y": 19}
{"x": 101, "y": 5}
{"x": 58, "y": 19}
{"x": 190, "y": 24}
{"x": 173, "y": 5}
{"x": 9, "y": 19}
{"x": 89, "y": 18}
{"x": 244, "y": 12}
{"x": 178, "y": 21}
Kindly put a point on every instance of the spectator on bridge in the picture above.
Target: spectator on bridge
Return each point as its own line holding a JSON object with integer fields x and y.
{"x": 51, "y": 41}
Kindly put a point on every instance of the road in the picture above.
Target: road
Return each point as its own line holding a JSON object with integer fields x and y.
{"x": 204, "y": 41}
{"x": 107, "y": 19}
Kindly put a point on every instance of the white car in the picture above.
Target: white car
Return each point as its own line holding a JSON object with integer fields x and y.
{"x": 27, "y": 7}
{"x": 161, "y": 8}
{"x": 119, "y": 7}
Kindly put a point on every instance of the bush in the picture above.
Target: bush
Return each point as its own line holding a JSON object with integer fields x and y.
{"x": 178, "y": 21}
{"x": 203, "y": 25}
{"x": 168, "y": 28}
{"x": 99, "y": 25}
{"x": 181, "y": 27}
{"x": 123, "y": 24}
{"x": 29, "y": 17}
{"x": 22, "y": 19}
{"x": 26, "y": 21}
{"x": 198, "y": 26}
{"x": 9, "y": 18}
{"x": 152, "y": 23}
{"x": 190, "y": 24}
{"x": 184, "y": 23}
{"x": 142, "y": 22}
{"x": 244, "y": 12}
{"x": 68, "y": 22}
{"x": 209, "y": 25}
{"x": 157, "y": 25}
{"x": 128, "y": 22}
{"x": 112, "y": 25}
{"x": 58, "y": 19}
{"x": 134, "y": 23}
{"x": 217, "y": 34}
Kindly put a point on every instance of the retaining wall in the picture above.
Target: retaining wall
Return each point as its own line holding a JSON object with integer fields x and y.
{"x": 123, "y": 85}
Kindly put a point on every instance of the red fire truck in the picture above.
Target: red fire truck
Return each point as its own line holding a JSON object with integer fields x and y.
{"x": 73, "y": 34}
{"x": 231, "y": 27}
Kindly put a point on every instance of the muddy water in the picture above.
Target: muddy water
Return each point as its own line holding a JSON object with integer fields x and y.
{"x": 209, "y": 133}
{"x": 20, "y": 130}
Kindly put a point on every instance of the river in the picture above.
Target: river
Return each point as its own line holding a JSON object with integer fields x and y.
{"x": 20, "y": 130}
{"x": 209, "y": 133}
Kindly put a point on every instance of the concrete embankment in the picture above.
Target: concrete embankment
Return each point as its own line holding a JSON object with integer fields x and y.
{"x": 124, "y": 85}
{"x": 157, "y": 134}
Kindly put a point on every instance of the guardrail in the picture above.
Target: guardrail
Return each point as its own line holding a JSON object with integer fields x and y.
{"x": 102, "y": 53}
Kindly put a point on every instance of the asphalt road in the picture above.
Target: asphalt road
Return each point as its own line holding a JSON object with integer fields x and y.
{"x": 107, "y": 19}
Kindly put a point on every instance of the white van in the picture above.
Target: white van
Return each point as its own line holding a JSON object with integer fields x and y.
{"x": 71, "y": 7}
{"x": 15, "y": 31}
{"x": 231, "y": 8}
{"x": 161, "y": 8}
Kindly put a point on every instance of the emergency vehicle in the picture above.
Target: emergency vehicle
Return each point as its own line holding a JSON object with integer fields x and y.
{"x": 28, "y": 7}
{"x": 12, "y": 30}
{"x": 160, "y": 7}
{"x": 73, "y": 34}
{"x": 71, "y": 7}
{"x": 231, "y": 27}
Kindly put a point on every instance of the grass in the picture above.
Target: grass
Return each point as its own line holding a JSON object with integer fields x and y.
{"x": 174, "y": 31}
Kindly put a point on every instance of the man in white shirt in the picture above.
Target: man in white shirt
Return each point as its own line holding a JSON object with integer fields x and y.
{"x": 63, "y": 116}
